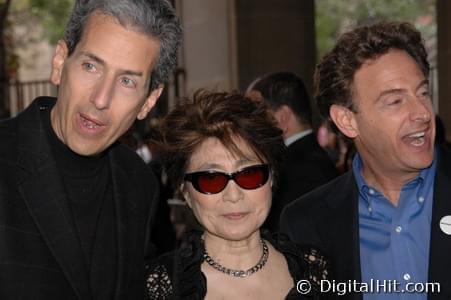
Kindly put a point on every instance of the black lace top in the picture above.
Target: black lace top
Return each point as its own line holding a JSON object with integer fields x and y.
{"x": 178, "y": 275}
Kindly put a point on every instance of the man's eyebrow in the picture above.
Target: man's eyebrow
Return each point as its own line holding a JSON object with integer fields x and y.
{"x": 398, "y": 91}
{"x": 133, "y": 73}
{"x": 389, "y": 92}
{"x": 423, "y": 83}
{"x": 93, "y": 57}
{"x": 102, "y": 62}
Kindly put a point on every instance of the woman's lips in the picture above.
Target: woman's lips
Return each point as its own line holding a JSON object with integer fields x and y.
{"x": 235, "y": 216}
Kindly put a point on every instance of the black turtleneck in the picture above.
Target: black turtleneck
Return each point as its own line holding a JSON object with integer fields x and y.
{"x": 89, "y": 193}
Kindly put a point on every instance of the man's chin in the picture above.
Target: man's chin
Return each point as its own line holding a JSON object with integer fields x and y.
{"x": 422, "y": 163}
{"x": 85, "y": 151}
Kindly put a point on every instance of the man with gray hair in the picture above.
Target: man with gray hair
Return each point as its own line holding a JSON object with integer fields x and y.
{"x": 75, "y": 205}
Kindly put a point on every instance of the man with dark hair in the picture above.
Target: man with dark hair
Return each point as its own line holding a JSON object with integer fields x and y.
{"x": 75, "y": 205}
{"x": 388, "y": 217}
{"x": 306, "y": 165}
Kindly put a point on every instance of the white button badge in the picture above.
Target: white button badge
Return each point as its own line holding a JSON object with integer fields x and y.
{"x": 445, "y": 224}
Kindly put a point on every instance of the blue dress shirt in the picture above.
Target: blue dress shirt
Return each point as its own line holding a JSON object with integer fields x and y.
{"x": 394, "y": 240}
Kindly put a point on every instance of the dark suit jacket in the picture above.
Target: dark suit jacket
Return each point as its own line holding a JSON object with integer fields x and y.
{"x": 328, "y": 218}
{"x": 40, "y": 255}
{"x": 306, "y": 166}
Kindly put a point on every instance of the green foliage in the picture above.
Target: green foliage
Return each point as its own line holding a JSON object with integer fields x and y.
{"x": 49, "y": 15}
{"x": 53, "y": 15}
{"x": 334, "y": 17}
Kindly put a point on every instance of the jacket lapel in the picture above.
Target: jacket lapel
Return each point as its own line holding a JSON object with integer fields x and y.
{"x": 42, "y": 190}
{"x": 342, "y": 238}
{"x": 340, "y": 232}
{"x": 439, "y": 258}
{"x": 125, "y": 193}
{"x": 132, "y": 224}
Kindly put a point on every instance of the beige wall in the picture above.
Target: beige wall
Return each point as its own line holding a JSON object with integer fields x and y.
{"x": 35, "y": 58}
{"x": 208, "y": 54}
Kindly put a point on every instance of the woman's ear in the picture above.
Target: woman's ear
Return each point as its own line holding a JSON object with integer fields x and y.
{"x": 271, "y": 179}
{"x": 183, "y": 190}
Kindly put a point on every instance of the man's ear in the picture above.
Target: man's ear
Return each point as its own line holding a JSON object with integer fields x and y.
{"x": 150, "y": 102}
{"x": 286, "y": 113}
{"x": 59, "y": 57}
{"x": 344, "y": 119}
{"x": 282, "y": 115}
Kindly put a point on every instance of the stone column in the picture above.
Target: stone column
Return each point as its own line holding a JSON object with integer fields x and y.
{"x": 444, "y": 62}
{"x": 275, "y": 36}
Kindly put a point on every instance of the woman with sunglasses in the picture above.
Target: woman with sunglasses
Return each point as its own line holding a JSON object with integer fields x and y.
{"x": 222, "y": 152}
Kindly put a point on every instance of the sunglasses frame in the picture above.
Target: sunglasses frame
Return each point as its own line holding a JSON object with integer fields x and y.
{"x": 194, "y": 176}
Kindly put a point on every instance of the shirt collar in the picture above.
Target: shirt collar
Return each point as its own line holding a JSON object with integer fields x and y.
{"x": 425, "y": 175}
{"x": 357, "y": 168}
{"x": 293, "y": 138}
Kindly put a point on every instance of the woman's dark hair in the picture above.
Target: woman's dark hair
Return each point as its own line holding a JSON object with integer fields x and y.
{"x": 334, "y": 75}
{"x": 225, "y": 116}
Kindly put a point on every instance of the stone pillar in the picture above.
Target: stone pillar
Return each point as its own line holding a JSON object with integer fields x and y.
{"x": 208, "y": 48}
{"x": 444, "y": 62}
{"x": 275, "y": 36}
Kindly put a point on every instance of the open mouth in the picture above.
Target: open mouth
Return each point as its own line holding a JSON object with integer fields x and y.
{"x": 417, "y": 139}
{"x": 90, "y": 123}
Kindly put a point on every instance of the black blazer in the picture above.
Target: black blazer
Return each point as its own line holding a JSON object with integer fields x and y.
{"x": 328, "y": 218}
{"x": 306, "y": 166}
{"x": 40, "y": 255}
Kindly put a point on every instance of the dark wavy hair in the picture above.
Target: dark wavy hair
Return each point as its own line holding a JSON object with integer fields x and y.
{"x": 285, "y": 88}
{"x": 155, "y": 18}
{"x": 225, "y": 116}
{"x": 334, "y": 74}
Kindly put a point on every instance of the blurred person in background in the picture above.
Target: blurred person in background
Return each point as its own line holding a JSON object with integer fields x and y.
{"x": 336, "y": 146}
{"x": 306, "y": 165}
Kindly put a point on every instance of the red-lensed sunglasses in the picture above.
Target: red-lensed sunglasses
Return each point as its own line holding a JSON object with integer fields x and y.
{"x": 213, "y": 182}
